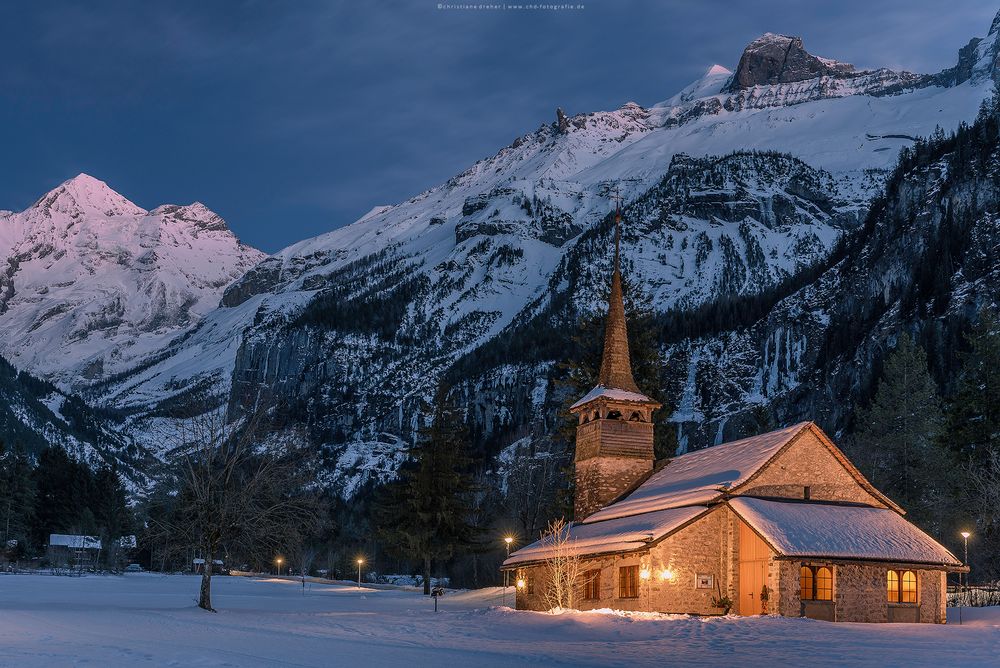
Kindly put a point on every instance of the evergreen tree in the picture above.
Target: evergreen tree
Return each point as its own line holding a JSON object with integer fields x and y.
{"x": 973, "y": 424}
{"x": 64, "y": 491}
{"x": 897, "y": 443}
{"x": 17, "y": 500}
{"x": 111, "y": 511}
{"x": 425, "y": 514}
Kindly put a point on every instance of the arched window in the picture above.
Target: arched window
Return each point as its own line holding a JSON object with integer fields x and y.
{"x": 892, "y": 586}
{"x": 816, "y": 583}
{"x": 806, "y": 583}
{"x": 901, "y": 586}
{"x": 824, "y": 584}
{"x": 909, "y": 592}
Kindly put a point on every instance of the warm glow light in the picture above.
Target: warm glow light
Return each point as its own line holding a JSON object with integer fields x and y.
{"x": 666, "y": 574}
{"x": 360, "y": 561}
{"x": 966, "y": 534}
{"x": 508, "y": 540}
{"x": 644, "y": 574}
{"x": 520, "y": 583}
{"x": 278, "y": 561}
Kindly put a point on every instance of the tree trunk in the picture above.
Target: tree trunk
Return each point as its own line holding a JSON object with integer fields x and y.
{"x": 205, "y": 599}
{"x": 427, "y": 576}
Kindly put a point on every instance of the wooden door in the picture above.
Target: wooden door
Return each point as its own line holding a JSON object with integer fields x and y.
{"x": 753, "y": 559}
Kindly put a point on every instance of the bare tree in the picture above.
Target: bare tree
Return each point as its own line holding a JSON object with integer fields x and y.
{"x": 562, "y": 566}
{"x": 242, "y": 488}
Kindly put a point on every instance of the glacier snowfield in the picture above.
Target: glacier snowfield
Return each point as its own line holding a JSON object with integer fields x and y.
{"x": 151, "y": 620}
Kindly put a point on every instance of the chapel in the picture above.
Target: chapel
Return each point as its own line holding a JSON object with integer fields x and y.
{"x": 779, "y": 523}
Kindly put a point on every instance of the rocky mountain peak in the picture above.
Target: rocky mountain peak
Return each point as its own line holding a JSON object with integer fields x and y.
{"x": 85, "y": 195}
{"x": 776, "y": 59}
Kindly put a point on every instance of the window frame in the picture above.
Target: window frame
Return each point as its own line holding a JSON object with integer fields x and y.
{"x": 814, "y": 583}
{"x": 592, "y": 584}
{"x": 628, "y": 581}
{"x": 902, "y": 590}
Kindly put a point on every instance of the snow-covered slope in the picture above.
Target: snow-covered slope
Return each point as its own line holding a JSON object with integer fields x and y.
{"x": 92, "y": 283}
{"x": 356, "y": 325}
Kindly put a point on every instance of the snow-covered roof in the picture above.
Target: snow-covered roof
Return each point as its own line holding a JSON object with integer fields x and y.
{"x": 613, "y": 394}
{"x": 799, "y": 529}
{"x": 70, "y": 540}
{"x": 699, "y": 477}
{"x": 621, "y": 535}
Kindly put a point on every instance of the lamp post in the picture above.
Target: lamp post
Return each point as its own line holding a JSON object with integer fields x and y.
{"x": 507, "y": 541}
{"x": 965, "y": 538}
{"x": 278, "y": 564}
{"x": 360, "y": 562}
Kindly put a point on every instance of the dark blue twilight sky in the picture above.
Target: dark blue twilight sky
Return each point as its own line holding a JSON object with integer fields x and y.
{"x": 290, "y": 118}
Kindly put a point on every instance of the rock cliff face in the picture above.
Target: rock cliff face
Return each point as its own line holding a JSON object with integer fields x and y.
{"x": 778, "y": 59}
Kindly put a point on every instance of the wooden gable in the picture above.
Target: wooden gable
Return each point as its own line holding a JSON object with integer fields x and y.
{"x": 811, "y": 466}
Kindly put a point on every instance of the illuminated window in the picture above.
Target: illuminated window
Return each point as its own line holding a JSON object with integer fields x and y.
{"x": 909, "y": 593}
{"x": 824, "y": 584}
{"x": 892, "y": 586}
{"x": 592, "y": 585}
{"x": 806, "y": 583}
{"x": 816, "y": 583}
{"x": 628, "y": 582}
{"x": 901, "y": 587}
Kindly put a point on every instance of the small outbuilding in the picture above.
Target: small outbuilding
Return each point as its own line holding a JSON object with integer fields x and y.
{"x": 73, "y": 551}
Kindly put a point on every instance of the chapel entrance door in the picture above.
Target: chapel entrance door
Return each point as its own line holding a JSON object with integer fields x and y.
{"x": 753, "y": 559}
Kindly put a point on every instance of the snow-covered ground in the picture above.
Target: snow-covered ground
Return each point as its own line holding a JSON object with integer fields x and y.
{"x": 147, "y": 619}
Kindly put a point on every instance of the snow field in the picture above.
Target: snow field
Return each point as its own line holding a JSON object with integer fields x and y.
{"x": 151, "y": 620}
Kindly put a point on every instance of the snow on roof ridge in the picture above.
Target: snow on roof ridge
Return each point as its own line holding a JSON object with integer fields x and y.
{"x": 798, "y": 528}
{"x": 616, "y": 535}
{"x": 702, "y": 476}
{"x": 616, "y": 394}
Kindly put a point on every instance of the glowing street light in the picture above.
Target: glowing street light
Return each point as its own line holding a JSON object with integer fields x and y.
{"x": 644, "y": 574}
{"x": 508, "y": 540}
{"x": 666, "y": 574}
{"x": 520, "y": 583}
{"x": 277, "y": 562}
{"x": 360, "y": 562}
{"x": 965, "y": 537}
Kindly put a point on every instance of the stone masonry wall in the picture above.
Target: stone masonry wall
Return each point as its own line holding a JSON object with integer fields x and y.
{"x": 807, "y": 462}
{"x": 704, "y": 547}
{"x": 600, "y": 480}
{"x": 859, "y": 591}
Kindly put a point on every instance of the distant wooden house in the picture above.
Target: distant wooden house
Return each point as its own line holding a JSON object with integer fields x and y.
{"x": 73, "y": 551}
{"x": 782, "y": 522}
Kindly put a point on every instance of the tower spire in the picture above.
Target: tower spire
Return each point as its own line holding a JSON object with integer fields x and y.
{"x": 616, "y": 367}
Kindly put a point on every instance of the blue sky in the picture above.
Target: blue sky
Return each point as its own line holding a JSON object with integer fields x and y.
{"x": 291, "y": 118}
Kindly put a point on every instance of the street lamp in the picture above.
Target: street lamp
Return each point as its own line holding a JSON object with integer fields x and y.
{"x": 278, "y": 561}
{"x": 965, "y": 537}
{"x": 360, "y": 562}
{"x": 506, "y": 574}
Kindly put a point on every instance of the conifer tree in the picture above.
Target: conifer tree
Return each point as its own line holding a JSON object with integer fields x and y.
{"x": 17, "y": 500}
{"x": 973, "y": 425}
{"x": 897, "y": 443}
{"x": 425, "y": 514}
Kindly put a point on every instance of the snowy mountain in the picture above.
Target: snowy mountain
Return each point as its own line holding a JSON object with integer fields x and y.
{"x": 92, "y": 284}
{"x": 734, "y": 185}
